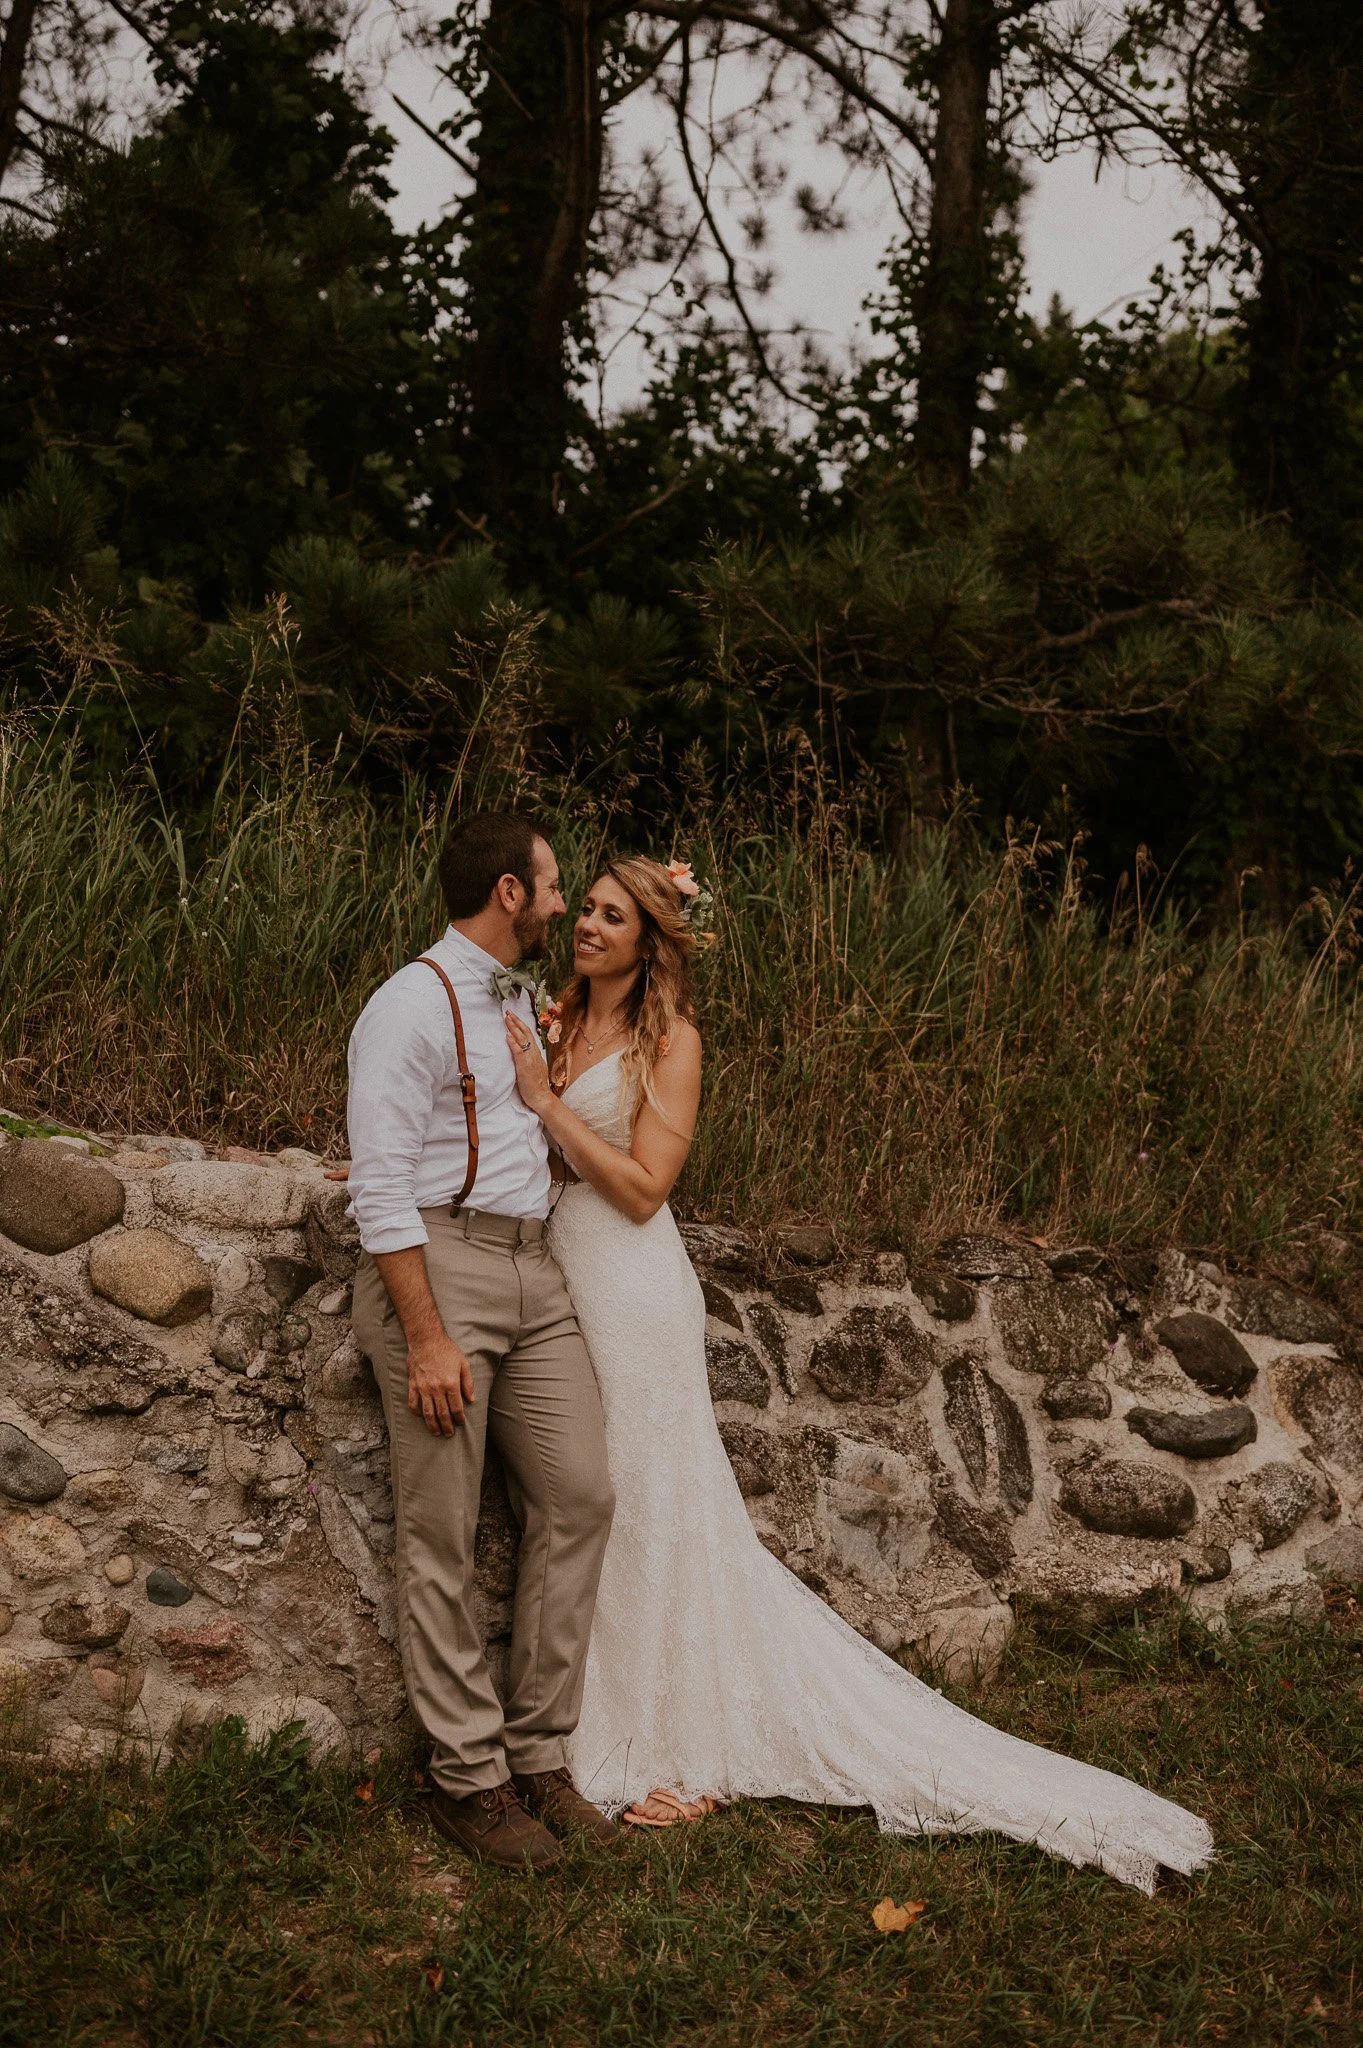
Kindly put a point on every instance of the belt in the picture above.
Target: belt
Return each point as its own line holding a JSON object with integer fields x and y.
{"x": 482, "y": 1228}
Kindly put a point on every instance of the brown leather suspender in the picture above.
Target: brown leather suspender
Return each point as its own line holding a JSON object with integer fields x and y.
{"x": 468, "y": 1086}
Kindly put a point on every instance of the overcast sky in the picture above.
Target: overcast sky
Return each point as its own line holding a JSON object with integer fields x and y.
{"x": 1093, "y": 242}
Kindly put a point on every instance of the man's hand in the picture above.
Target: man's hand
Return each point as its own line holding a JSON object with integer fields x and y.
{"x": 439, "y": 1382}
{"x": 439, "y": 1377}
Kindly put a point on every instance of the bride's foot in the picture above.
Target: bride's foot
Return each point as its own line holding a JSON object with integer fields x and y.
{"x": 663, "y": 1809}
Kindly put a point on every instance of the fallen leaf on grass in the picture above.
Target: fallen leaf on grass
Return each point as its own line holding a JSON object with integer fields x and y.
{"x": 892, "y": 1919}
{"x": 435, "y": 1977}
{"x": 365, "y": 1793}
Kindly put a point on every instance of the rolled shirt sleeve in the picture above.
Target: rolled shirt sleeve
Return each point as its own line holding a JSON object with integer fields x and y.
{"x": 398, "y": 1057}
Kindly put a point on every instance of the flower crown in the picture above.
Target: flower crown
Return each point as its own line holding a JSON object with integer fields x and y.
{"x": 697, "y": 901}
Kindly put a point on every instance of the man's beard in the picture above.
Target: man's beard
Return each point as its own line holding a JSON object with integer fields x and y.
{"x": 530, "y": 929}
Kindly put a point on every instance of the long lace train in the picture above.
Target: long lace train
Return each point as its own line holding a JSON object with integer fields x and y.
{"x": 712, "y": 1668}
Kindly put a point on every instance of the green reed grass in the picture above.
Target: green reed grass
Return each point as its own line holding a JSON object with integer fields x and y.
{"x": 951, "y": 1039}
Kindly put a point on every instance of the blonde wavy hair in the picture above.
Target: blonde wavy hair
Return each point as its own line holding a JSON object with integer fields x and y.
{"x": 661, "y": 993}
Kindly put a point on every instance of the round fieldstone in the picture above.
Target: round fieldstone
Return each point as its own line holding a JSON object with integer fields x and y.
{"x": 990, "y": 1258}
{"x": 1207, "y": 1567}
{"x": 1209, "y": 1353}
{"x": 152, "y": 1275}
{"x": 119, "y": 1688}
{"x": 237, "y": 1338}
{"x": 722, "y": 1246}
{"x": 314, "y": 1721}
{"x": 1215, "y": 1433}
{"x": 874, "y": 1354}
{"x": 27, "y": 1472}
{"x": 41, "y": 1547}
{"x": 808, "y": 1244}
{"x": 1325, "y": 1399}
{"x": 1271, "y": 1309}
{"x": 1278, "y": 1498}
{"x": 797, "y": 1293}
{"x": 52, "y": 1198}
{"x": 946, "y": 1299}
{"x": 229, "y": 1196}
{"x": 165, "y": 1590}
{"x": 347, "y": 1375}
{"x": 102, "y": 1491}
{"x": 1123, "y": 1499}
{"x": 1076, "y": 1400}
{"x": 290, "y": 1333}
{"x": 1060, "y": 1329}
{"x": 85, "y": 1625}
{"x": 119, "y": 1570}
{"x": 1096, "y": 1580}
{"x": 735, "y": 1372}
{"x": 287, "y": 1279}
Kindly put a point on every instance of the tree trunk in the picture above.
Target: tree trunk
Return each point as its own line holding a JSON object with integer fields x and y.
{"x": 954, "y": 298}
{"x": 523, "y": 270}
{"x": 1300, "y": 159}
{"x": 13, "y": 58}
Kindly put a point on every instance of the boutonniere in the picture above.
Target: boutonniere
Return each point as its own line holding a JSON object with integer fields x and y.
{"x": 506, "y": 983}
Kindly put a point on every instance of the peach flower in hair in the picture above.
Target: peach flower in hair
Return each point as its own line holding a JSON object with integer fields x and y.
{"x": 683, "y": 880}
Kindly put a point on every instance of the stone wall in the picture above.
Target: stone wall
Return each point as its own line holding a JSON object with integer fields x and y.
{"x": 195, "y": 1516}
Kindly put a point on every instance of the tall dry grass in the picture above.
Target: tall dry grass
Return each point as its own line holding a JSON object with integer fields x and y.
{"x": 900, "y": 1047}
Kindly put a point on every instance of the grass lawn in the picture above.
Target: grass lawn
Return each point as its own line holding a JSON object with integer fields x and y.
{"x": 246, "y": 1901}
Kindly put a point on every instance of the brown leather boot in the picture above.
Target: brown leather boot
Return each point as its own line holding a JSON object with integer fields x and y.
{"x": 494, "y": 1827}
{"x": 552, "y": 1797}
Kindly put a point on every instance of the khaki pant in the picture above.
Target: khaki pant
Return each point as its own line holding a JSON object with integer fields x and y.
{"x": 503, "y": 1301}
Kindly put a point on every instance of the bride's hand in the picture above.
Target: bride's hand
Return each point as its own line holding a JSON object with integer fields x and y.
{"x": 532, "y": 1075}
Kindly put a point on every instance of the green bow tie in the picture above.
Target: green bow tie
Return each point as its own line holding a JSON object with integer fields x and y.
{"x": 506, "y": 983}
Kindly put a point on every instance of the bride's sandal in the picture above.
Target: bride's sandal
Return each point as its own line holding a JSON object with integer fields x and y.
{"x": 663, "y": 1809}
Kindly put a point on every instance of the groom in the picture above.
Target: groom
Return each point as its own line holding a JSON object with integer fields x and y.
{"x": 470, "y": 1330}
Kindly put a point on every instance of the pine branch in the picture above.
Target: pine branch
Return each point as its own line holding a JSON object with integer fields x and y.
{"x": 465, "y": 163}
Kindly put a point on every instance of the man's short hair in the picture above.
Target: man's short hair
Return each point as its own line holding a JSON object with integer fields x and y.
{"x": 479, "y": 850}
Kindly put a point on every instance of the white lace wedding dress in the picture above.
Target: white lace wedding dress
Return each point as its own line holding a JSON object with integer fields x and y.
{"x": 712, "y": 1668}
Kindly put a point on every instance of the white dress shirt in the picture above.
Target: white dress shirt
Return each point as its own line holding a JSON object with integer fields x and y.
{"x": 408, "y": 1134}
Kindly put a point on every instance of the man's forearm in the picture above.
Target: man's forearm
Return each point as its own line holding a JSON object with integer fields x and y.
{"x": 439, "y": 1376}
{"x": 409, "y": 1289}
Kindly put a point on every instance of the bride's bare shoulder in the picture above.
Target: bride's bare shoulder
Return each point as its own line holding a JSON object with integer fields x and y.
{"x": 683, "y": 1044}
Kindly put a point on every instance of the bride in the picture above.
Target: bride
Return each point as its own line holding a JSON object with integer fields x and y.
{"x": 714, "y": 1673}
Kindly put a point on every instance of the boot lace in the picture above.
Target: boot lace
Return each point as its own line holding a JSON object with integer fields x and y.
{"x": 498, "y": 1801}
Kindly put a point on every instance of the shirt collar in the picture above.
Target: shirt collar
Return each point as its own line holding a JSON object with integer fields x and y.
{"x": 472, "y": 955}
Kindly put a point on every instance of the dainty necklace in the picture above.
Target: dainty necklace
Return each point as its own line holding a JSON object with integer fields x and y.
{"x": 604, "y": 1039}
